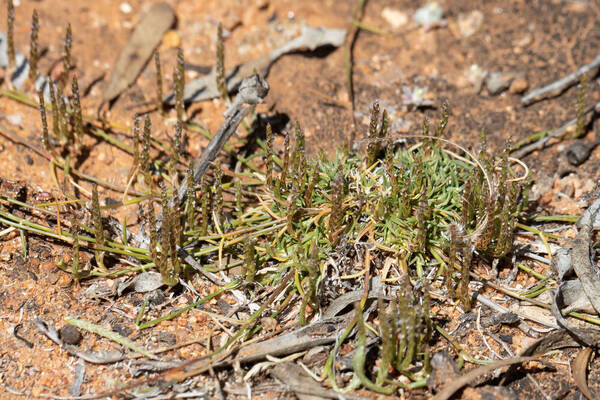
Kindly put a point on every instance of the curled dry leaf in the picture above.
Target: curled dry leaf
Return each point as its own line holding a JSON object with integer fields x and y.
{"x": 580, "y": 371}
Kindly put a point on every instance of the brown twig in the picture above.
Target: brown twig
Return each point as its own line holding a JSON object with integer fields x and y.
{"x": 556, "y": 88}
{"x": 558, "y": 133}
{"x": 187, "y": 257}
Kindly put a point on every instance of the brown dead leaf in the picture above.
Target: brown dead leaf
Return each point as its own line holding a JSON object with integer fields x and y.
{"x": 139, "y": 48}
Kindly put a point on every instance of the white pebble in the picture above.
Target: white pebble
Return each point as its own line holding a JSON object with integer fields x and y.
{"x": 125, "y": 8}
{"x": 394, "y": 17}
{"x": 429, "y": 15}
{"x": 14, "y": 119}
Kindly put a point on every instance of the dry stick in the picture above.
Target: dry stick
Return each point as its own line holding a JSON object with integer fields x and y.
{"x": 558, "y": 133}
{"x": 187, "y": 257}
{"x": 322, "y": 393}
{"x": 252, "y": 91}
{"x": 585, "y": 271}
{"x": 524, "y": 326}
{"x": 295, "y": 379}
{"x": 556, "y": 88}
{"x": 577, "y": 333}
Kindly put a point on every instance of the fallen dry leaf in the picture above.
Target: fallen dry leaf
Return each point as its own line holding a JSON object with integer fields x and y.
{"x": 139, "y": 48}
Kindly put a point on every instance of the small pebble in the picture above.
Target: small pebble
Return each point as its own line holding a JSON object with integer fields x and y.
{"x": 506, "y": 338}
{"x": 569, "y": 190}
{"x": 524, "y": 41}
{"x": 108, "y": 201}
{"x": 261, "y": 4}
{"x": 70, "y": 334}
{"x": 444, "y": 370}
{"x": 497, "y": 82}
{"x": 171, "y": 39}
{"x": 273, "y": 17}
{"x": 518, "y": 86}
{"x": 156, "y": 297}
{"x": 14, "y": 119}
{"x": 578, "y": 153}
{"x": 429, "y": 15}
{"x": 469, "y": 23}
{"x": 122, "y": 330}
{"x": 125, "y": 8}
{"x": 28, "y": 159}
{"x": 396, "y": 18}
{"x": 269, "y": 323}
{"x": 476, "y": 75}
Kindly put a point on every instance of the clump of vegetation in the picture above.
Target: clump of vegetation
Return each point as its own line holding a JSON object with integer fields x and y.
{"x": 424, "y": 209}
{"x": 405, "y": 329}
{"x": 425, "y": 206}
